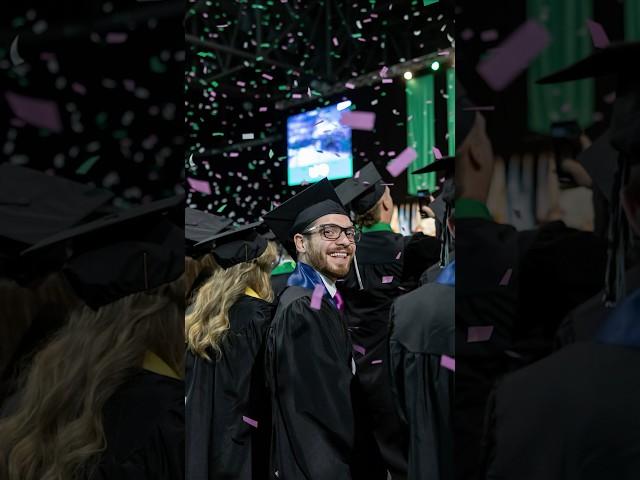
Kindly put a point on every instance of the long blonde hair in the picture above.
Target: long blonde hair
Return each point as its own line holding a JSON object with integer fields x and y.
{"x": 208, "y": 320}
{"x": 56, "y": 430}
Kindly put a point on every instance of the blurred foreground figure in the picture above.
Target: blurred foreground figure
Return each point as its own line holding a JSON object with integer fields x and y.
{"x": 103, "y": 399}
{"x": 421, "y": 352}
{"x": 227, "y": 400}
{"x": 573, "y": 414}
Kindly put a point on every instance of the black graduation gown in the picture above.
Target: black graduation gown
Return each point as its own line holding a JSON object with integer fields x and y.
{"x": 309, "y": 368}
{"x": 485, "y": 251}
{"x": 422, "y": 330}
{"x": 570, "y": 416}
{"x": 226, "y": 396}
{"x": 279, "y": 282}
{"x": 583, "y": 322}
{"x": 144, "y": 429}
{"x": 382, "y": 254}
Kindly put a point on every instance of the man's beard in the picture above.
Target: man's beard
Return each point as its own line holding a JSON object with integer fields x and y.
{"x": 318, "y": 260}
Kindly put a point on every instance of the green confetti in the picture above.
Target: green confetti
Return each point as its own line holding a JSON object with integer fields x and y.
{"x": 87, "y": 165}
{"x": 270, "y": 153}
{"x": 156, "y": 65}
{"x": 221, "y": 208}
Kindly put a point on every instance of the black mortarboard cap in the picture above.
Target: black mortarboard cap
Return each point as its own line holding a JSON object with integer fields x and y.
{"x": 445, "y": 165}
{"x": 619, "y": 60}
{"x": 130, "y": 251}
{"x": 297, "y": 213}
{"x": 616, "y": 59}
{"x": 241, "y": 244}
{"x": 363, "y": 190}
{"x": 200, "y": 226}
{"x": 34, "y": 205}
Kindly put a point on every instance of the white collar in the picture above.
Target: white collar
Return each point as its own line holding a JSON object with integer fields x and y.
{"x": 331, "y": 286}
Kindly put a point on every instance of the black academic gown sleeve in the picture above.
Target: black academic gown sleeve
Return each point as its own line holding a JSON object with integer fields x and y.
{"x": 422, "y": 331}
{"x": 144, "y": 429}
{"x": 226, "y": 395}
{"x": 310, "y": 373}
{"x": 569, "y": 416}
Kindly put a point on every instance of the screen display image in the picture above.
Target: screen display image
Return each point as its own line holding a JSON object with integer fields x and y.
{"x": 318, "y": 145}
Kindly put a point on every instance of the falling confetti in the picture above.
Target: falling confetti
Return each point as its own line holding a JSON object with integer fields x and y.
{"x": 479, "y": 334}
{"x": 514, "y": 55}
{"x": 402, "y": 161}
{"x": 316, "y": 297}
{"x": 250, "y": 421}
{"x": 448, "y": 363}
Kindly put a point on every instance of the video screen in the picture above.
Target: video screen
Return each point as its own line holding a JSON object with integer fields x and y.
{"x": 318, "y": 145}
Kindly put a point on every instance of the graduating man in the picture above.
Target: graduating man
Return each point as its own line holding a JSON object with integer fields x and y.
{"x": 380, "y": 274}
{"x": 309, "y": 363}
{"x": 572, "y": 414}
{"x": 421, "y": 358}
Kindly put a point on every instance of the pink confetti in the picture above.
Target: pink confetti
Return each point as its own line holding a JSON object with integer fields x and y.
{"x": 335, "y": 41}
{"x": 116, "y": 37}
{"x": 201, "y": 186}
{"x": 399, "y": 255}
{"x": 489, "y": 35}
{"x": 358, "y": 120}
{"x": 360, "y": 349}
{"x": 78, "y": 88}
{"x": 383, "y": 72}
{"x": 387, "y": 279}
{"x": 402, "y": 161}
{"x": 240, "y": 83}
{"x": 316, "y": 298}
{"x": 296, "y": 95}
{"x": 267, "y": 76}
{"x": 250, "y": 421}
{"x": 448, "y": 363}
{"x": 479, "y": 334}
{"x": 350, "y": 85}
{"x": 357, "y": 175}
{"x": 513, "y": 55}
{"x": 467, "y": 34}
{"x": 35, "y": 111}
{"x": 387, "y": 80}
{"x": 262, "y": 109}
{"x": 234, "y": 154}
{"x": 598, "y": 35}
{"x": 436, "y": 153}
{"x": 376, "y": 362}
{"x": 506, "y": 278}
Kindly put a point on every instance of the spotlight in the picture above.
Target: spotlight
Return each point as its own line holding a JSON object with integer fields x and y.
{"x": 408, "y": 75}
{"x": 435, "y": 66}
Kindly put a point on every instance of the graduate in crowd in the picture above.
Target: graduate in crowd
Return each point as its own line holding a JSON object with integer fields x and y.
{"x": 200, "y": 226}
{"x": 227, "y": 401}
{"x": 309, "y": 362}
{"x": 420, "y": 345}
{"x": 33, "y": 301}
{"x": 387, "y": 264}
{"x": 103, "y": 399}
{"x": 485, "y": 250}
{"x": 537, "y": 426}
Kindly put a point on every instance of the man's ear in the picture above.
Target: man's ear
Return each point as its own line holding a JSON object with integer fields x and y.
{"x": 298, "y": 239}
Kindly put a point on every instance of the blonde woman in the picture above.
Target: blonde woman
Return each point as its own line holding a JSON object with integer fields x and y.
{"x": 103, "y": 399}
{"x": 227, "y": 404}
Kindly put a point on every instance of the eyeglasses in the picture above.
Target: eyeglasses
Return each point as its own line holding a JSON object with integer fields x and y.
{"x": 333, "y": 232}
